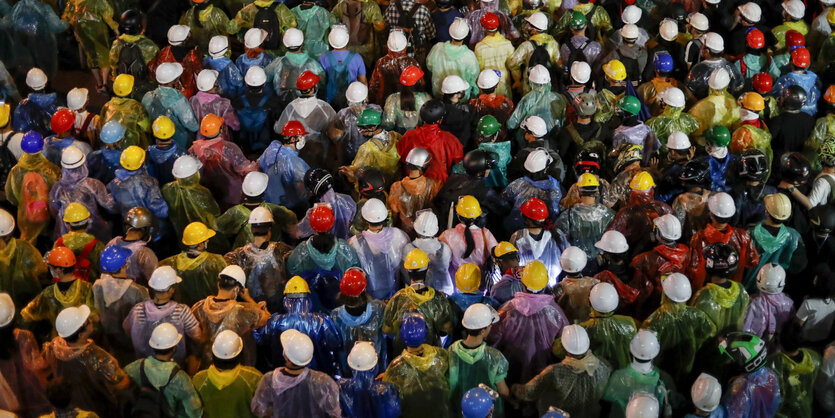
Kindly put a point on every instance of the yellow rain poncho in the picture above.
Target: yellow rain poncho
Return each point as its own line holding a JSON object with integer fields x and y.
{"x": 718, "y": 108}
{"x": 31, "y": 195}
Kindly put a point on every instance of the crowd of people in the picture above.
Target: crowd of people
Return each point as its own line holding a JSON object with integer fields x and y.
{"x": 418, "y": 208}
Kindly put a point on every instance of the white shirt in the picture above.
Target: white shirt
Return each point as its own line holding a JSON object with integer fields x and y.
{"x": 820, "y": 190}
{"x": 817, "y": 316}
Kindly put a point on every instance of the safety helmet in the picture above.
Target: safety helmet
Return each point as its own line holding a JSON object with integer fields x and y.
{"x": 254, "y": 37}
{"x": 752, "y": 101}
{"x": 75, "y": 212}
{"x": 255, "y": 76}
{"x": 76, "y": 98}
{"x": 139, "y": 217}
{"x": 615, "y": 70}
{"x": 580, "y": 71}
{"x": 504, "y": 248}
{"x": 604, "y": 298}
{"x": 629, "y": 32}
{"x": 60, "y": 257}
{"x": 131, "y": 22}
{"x": 31, "y": 143}
{"x": 293, "y": 38}
{"x": 413, "y": 329}
{"x": 488, "y": 78}
{"x": 751, "y": 12}
{"x": 793, "y": 98}
{"x": 177, "y": 34}
{"x": 663, "y": 63}
{"x": 163, "y": 127}
{"x": 612, "y": 242}
{"x": 678, "y": 141}
{"x": 668, "y": 226}
{"x": 699, "y": 21}
{"x": 534, "y": 209}
{"x": 673, "y": 96}
{"x": 227, "y": 345}
{"x": 353, "y": 282}
{"x": 235, "y": 273}
{"x": 196, "y": 232}
{"x": 477, "y": 161}
{"x": 577, "y": 20}
{"x": 801, "y": 58}
{"x": 418, "y": 158}
{"x": 7, "y": 310}
{"x": 631, "y": 14}
{"x": 755, "y": 39}
{"x": 298, "y": 348}
{"x": 539, "y": 75}
{"x": 296, "y": 285}
{"x": 763, "y": 83}
{"x": 771, "y": 278}
{"x": 719, "y": 79}
{"x": 695, "y": 173}
{"x": 794, "y": 39}
{"x": 411, "y": 75}
{"x": 587, "y": 162}
{"x": 488, "y": 126}
{"x": 468, "y": 207}
{"x": 185, "y": 166}
{"x": 468, "y": 278}
{"x": 489, "y": 21}
{"x": 261, "y": 216}
{"x": 588, "y": 181}
{"x": 113, "y": 258}
{"x": 753, "y": 165}
{"x": 397, "y": 41}
{"x": 628, "y": 154}
{"x": 426, "y": 223}
{"x": 357, "y": 92}
{"x": 459, "y": 29}
{"x": 71, "y": 319}
{"x": 363, "y": 356}
{"x": 642, "y": 405}
{"x": 644, "y": 345}
{"x": 718, "y": 135}
{"x": 292, "y": 128}
{"x": 36, "y": 79}
{"x": 778, "y": 206}
{"x": 795, "y": 8}
{"x": 630, "y": 104}
{"x": 677, "y": 287}
{"x": 338, "y": 37}
{"x": 535, "y": 276}
{"x": 476, "y": 403}
{"x": 721, "y": 205}
{"x": 795, "y": 168}
{"x": 72, "y": 157}
{"x": 573, "y": 260}
{"x": 206, "y": 79}
{"x": 479, "y": 315}
{"x": 416, "y": 260}
{"x": 826, "y": 153}
{"x": 307, "y": 80}
{"x": 211, "y": 125}
{"x": 370, "y": 182}
{"x": 318, "y": 181}
{"x": 585, "y": 104}
{"x": 218, "y": 46}
{"x": 163, "y": 278}
{"x": 538, "y": 20}
{"x": 432, "y": 111}
{"x": 374, "y": 211}
{"x": 642, "y": 182}
{"x": 167, "y": 72}
{"x": 7, "y": 223}
{"x": 575, "y": 339}
{"x": 706, "y": 393}
{"x": 830, "y": 17}
{"x": 255, "y": 184}
{"x": 369, "y": 117}
{"x": 747, "y": 350}
{"x": 112, "y": 132}
{"x": 321, "y": 219}
{"x": 5, "y": 113}
{"x": 537, "y": 160}
{"x": 720, "y": 259}
{"x": 62, "y": 120}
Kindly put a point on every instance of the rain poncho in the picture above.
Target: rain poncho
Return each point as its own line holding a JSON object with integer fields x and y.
{"x": 724, "y": 306}
{"x": 607, "y": 103}
{"x": 434, "y": 306}
{"x": 165, "y": 101}
{"x": 506, "y": 288}
{"x": 53, "y": 147}
{"x": 216, "y": 315}
{"x": 147, "y": 48}
{"x": 750, "y": 65}
{"x": 786, "y": 249}
{"x": 305, "y": 258}
{"x": 681, "y": 331}
{"x": 224, "y": 169}
{"x": 757, "y": 394}
{"x": 315, "y": 22}
{"x": 350, "y": 140}
{"x": 284, "y": 71}
{"x": 650, "y": 267}
{"x": 364, "y": 21}
{"x": 470, "y": 367}
{"x": 518, "y": 63}
{"x": 542, "y": 102}
{"x": 103, "y": 163}
{"x": 824, "y": 388}
{"x": 362, "y": 396}
{"x": 572, "y": 294}
{"x": 609, "y": 336}
{"x": 718, "y": 108}
{"x": 421, "y": 382}
{"x": 604, "y": 195}
{"x": 144, "y": 317}
{"x": 497, "y": 178}
{"x": 437, "y": 274}
{"x": 797, "y": 381}
{"x": 78, "y": 242}
{"x": 24, "y": 266}
{"x": 546, "y": 249}
{"x": 824, "y": 130}
{"x": 380, "y": 257}
{"x": 599, "y": 19}
{"x": 131, "y": 115}
{"x": 204, "y": 103}
{"x": 639, "y": 134}
{"x": 227, "y": 393}
{"x": 373, "y": 153}
{"x": 408, "y": 196}
{"x": 697, "y": 80}
{"x": 385, "y": 78}
{"x": 767, "y": 313}
{"x": 810, "y": 83}
{"x": 520, "y": 190}
{"x": 344, "y": 209}
{"x": 446, "y": 59}
{"x": 462, "y": 301}
{"x": 75, "y": 186}
{"x": 690, "y": 208}
{"x": 52, "y": 300}
{"x": 493, "y": 52}
{"x": 192, "y": 64}
{"x": 235, "y": 223}
{"x": 23, "y": 393}
{"x": 115, "y": 298}
{"x": 626, "y": 381}
{"x": 245, "y": 62}
{"x": 400, "y": 120}
{"x": 583, "y": 225}
{"x": 443, "y": 147}
{"x": 576, "y": 385}
{"x": 206, "y": 21}
{"x": 736, "y": 237}
{"x": 310, "y": 394}
{"x": 477, "y": 32}
{"x": 367, "y": 326}
{"x": 246, "y": 15}
{"x": 189, "y": 202}
{"x": 286, "y": 170}
{"x": 528, "y": 325}
{"x": 160, "y": 162}
{"x": 34, "y": 25}
{"x": 314, "y": 114}
{"x": 34, "y": 113}
{"x": 670, "y": 120}
{"x": 27, "y": 187}
{"x": 752, "y": 136}
{"x": 230, "y": 81}
{"x": 90, "y": 20}
{"x": 483, "y": 243}
{"x": 265, "y": 267}
{"x": 635, "y": 221}
{"x": 178, "y": 391}
{"x": 199, "y": 275}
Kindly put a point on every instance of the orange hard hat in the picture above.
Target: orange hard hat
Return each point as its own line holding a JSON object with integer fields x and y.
{"x": 210, "y": 126}
{"x": 61, "y": 257}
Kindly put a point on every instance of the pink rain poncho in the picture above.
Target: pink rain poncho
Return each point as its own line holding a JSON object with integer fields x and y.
{"x": 310, "y": 394}
{"x": 75, "y": 186}
{"x": 766, "y": 314}
{"x": 483, "y": 242}
{"x": 224, "y": 169}
{"x": 204, "y": 103}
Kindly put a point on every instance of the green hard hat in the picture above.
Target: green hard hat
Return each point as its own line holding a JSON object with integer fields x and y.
{"x": 630, "y": 104}
{"x": 577, "y": 20}
{"x": 369, "y": 117}
{"x": 718, "y": 135}
{"x": 488, "y": 125}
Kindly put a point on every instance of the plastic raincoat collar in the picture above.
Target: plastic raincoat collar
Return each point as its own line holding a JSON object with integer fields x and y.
{"x": 529, "y": 303}
{"x": 72, "y": 176}
{"x": 768, "y": 242}
{"x": 674, "y": 256}
{"x": 184, "y": 262}
{"x": 158, "y": 155}
{"x": 296, "y": 58}
{"x": 424, "y": 361}
{"x": 419, "y": 298}
{"x": 353, "y": 321}
{"x": 43, "y": 99}
{"x": 221, "y": 379}
{"x": 64, "y": 352}
{"x": 282, "y": 382}
{"x": 587, "y": 364}
{"x": 724, "y": 297}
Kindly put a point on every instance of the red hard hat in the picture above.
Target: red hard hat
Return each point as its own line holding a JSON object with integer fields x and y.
{"x": 411, "y": 75}
{"x": 321, "y": 219}
{"x": 293, "y": 128}
{"x": 763, "y": 83}
{"x": 534, "y": 209}
{"x": 353, "y": 282}
{"x": 801, "y": 57}
{"x": 794, "y": 38}
{"x": 755, "y": 38}
{"x": 62, "y": 121}
{"x": 307, "y": 80}
{"x": 489, "y": 21}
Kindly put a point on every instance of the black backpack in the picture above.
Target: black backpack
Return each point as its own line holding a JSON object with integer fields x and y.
{"x": 266, "y": 19}
{"x": 131, "y": 61}
{"x": 539, "y": 56}
{"x": 591, "y": 31}
{"x": 406, "y": 22}
{"x": 150, "y": 402}
{"x": 7, "y": 159}
{"x": 575, "y": 53}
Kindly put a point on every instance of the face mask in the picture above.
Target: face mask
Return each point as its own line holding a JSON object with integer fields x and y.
{"x": 717, "y": 152}
{"x": 300, "y": 144}
{"x": 746, "y": 114}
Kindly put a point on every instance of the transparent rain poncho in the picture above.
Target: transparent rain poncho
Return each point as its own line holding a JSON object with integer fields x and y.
{"x": 477, "y": 32}
{"x": 545, "y": 249}
{"x": 144, "y": 317}
{"x": 77, "y": 241}
{"x": 572, "y": 294}
{"x": 542, "y": 102}
{"x": 51, "y": 300}
{"x": 455, "y": 238}
{"x": 90, "y": 20}
{"x": 362, "y": 18}
{"x": 349, "y": 142}
{"x": 609, "y": 335}
{"x": 103, "y": 163}
{"x": 207, "y": 21}
{"x": 165, "y": 101}
{"x": 344, "y": 209}
{"x": 824, "y": 130}
{"x": 31, "y": 219}
{"x": 506, "y": 287}
{"x": 160, "y": 162}
{"x": 718, "y": 108}
{"x": 314, "y": 114}
{"x": 34, "y": 26}
{"x": 227, "y": 393}
{"x": 265, "y": 268}
{"x": 670, "y": 120}
{"x": 315, "y": 22}
{"x": 368, "y": 326}
{"x": 380, "y": 258}
{"x": 245, "y": 62}
{"x": 385, "y": 78}
{"x": 576, "y": 385}
{"x": 583, "y": 225}
{"x": 786, "y": 249}
{"x": 697, "y": 79}
{"x": 235, "y": 223}
{"x": 215, "y": 315}
{"x": 75, "y": 186}
{"x": 724, "y": 306}
{"x": 286, "y": 170}
{"x": 380, "y": 152}
{"x": 132, "y": 116}
{"x": 230, "y": 81}
{"x": 147, "y": 48}
{"x": 681, "y": 331}
{"x": 246, "y": 15}
{"x": 470, "y": 367}
{"x": 635, "y": 221}
{"x": 492, "y": 52}
{"x": 825, "y": 386}
{"x": 284, "y": 71}
{"x": 114, "y": 300}
{"x": 224, "y": 168}
{"x": 408, "y": 196}
{"x": 767, "y": 313}
{"x": 626, "y": 381}
{"x": 23, "y": 393}
{"x": 54, "y": 146}
{"x": 422, "y": 383}
{"x": 756, "y": 394}
{"x": 191, "y": 61}
{"x": 363, "y": 396}
{"x": 520, "y": 190}
{"x": 518, "y": 62}
{"x": 306, "y": 258}
{"x": 400, "y": 120}
{"x": 440, "y": 256}
{"x": 434, "y": 306}
{"x": 199, "y": 275}
{"x": 204, "y": 103}
{"x": 607, "y": 104}
{"x": 311, "y": 393}
{"x": 446, "y": 59}
{"x": 189, "y": 202}
{"x": 24, "y": 266}
{"x": 810, "y": 83}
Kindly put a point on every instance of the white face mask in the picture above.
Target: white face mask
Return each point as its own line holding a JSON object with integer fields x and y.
{"x": 746, "y": 114}
{"x": 717, "y": 152}
{"x": 300, "y": 144}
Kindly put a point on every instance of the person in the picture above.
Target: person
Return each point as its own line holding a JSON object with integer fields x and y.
{"x": 775, "y": 242}
{"x": 718, "y": 107}
{"x": 639, "y": 376}
{"x": 359, "y": 318}
{"x": 663, "y": 259}
{"x": 319, "y": 184}
{"x": 75, "y": 186}
{"x": 537, "y": 37}
{"x": 752, "y": 132}
{"x": 227, "y": 387}
{"x": 314, "y": 114}
{"x": 402, "y": 108}
{"x": 234, "y": 222}
{"x": 467, "y": 282}
{"x": 28, "y": 185}
{"x": 636, "y": 219}
{"x": 208, "y": 101}
{"x": 502, "y": 272}
{"x": 131, "y": 52}
{"x": 90, "y": 20}
{"x": 197, "y": 266}
{"x": 612, "y": 263}
{"x": 538, "y": 183}
{"x": 608, "y": 332}
{"x": 723, "y": 300}
{"x": 797, "y": 368}
{"x": 85, "y": 246}
{"x": 166, "y": 100}
{"x": 589, "y": 161}
{"x": 579, "y": 44}
{"x": 440, "y": 255}
{"x": 257, "y": 109}
{"x": 823, "y": 386}
{"x": 477, "y": 403}
{"x": 378, "y": 249}
{"x": 205, "y": 21}
{"x": 375, "y": 148}
{"x": 361, "y": 395}
{"x": 86, "y": 123}
{"x": 341, "y": 66}
{"x": 23, "y": 262}
{"x": 295, "y": 389}
{"x": 222, "y": 164}
{"x": 415, "y": 20}
{"x": 493, "y": 49}
{"x": 539, "y": 101}
{"x": 757, "y": 391}
{"x": 469, "y": 242}
{"x": 61, "y": 124}
{"x": 254, "y": 55}
{"x": 706, "y": 394}
{"x": 366, "y": 24}
{"x": 281, "y": 161}
{"x": 800, "y": 75}
{"x": 180, "y": 51}
{"x": 128, "y": 112}
{"x": 672, "y": 118}
{"x": 160, "y": 373}
{"x": 504, "y": 21}
{"x": 230, "y": 80}
{"x": 489, "y": 102}
{"x": 414, "y": 192}
{"x": 188, "y": 200}
{"x": 817, "y": 311}
{"x": 444, "y": 148}
{"x": 323, "y": 254}
{"x": 535, "y": 242}
{"x": 163, "y": 154}
{"x": 35, "y": 111}
{"x": 460, "y": 114}
{"x": 712, "y": 53}
{"x": 690, "y": 206}
{"x": 750, "y": 196}
{"x": 115, "y": 295}
{"x": 572, "y": 292}
{"x": 103, "y": 162}
{"x": 344, "y": 129}
{"x": 384, "y": 79}
{"x": 452, "y": 57}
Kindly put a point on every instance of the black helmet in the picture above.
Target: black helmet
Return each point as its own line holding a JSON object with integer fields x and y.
{"x": 753, "y": 165}
{"x": 695, "y": 173}
{"x": 677, "y": 12}
{"x": 370, "y": 182}
{"x": 477, "y": 161}
{"x": 746, "y": 350}
{"x": 587, "y": 162}
{"x": 822, "y": 218}
{"x": 793, "y": 98}
{"x": 720, "y": 259}
{"x": 795, "y": 168}
{"x": 432, "y": 111}
{"x": 131, "y": 22}
{"x": 318, "y": 181}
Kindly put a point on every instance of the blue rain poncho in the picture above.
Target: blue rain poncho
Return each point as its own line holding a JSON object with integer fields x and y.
{"x": 75, "y": 186}
{"x": 520, "y": 190}
{"x": 34, "y": 113}
{"x": 132, "y": 188}
{"x": 380, "y": 257}
{"x": 160, "y": 162}
{"x": 344, "y": 210}
{"x": 810, "y": 83}
{"x": 34, "y": 25}
{"x": 286, "y": 170}
{"x": 103, "y": 163}
{"x": 362, "y": 396}
{"x": 368, "y": 326}
{"x": 310, "y": 394}
{"x": 756, "y": 394}
{"x": 230, "y": 81}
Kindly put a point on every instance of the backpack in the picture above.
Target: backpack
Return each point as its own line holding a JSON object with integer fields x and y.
{"x": 150, "y": 402}
{"x": 634, "y": 66}
{"x": 131, "y": 61}
{"x": 7, "y": 159}
{"x": 359, "y": 30}
{"x": 338, "y": 79}
{"x": 267, "y": 19}
{"x": 82, "y": 264}
{"x": 406, "y": 22}
{"x": 539, "y": 56}
{"x": 35, "y": 198}
{"x": 591, "y": 31}
{"x": 576, "y": 53}
{"x": 253, "y": 118}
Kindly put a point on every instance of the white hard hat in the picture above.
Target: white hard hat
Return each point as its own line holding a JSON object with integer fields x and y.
{"x": 168, "y": 72}
{"x": 612, "y": 242}
{"x": 668, "y": 30}
{"x": 714, "y": 41}
{"x": 537, "y": 160}
{"x": 479, "y": 316}
{"x": 185, "y": 166}
{"x": 722, "y": 205}
{"x": 644, "y": 345}
{"x": 678, "y": 141}
{"x": 177, "y": 34}
{"x": 719, "y": 79}
{"x": 751, "y": 12}
{"x": 771, "y": 278}
{"x": 668, "y": 226}
{"x": 206, "y": 79}
{"x": 163, "y": 278}
{"x": 828, "y": 3}
{"x": 363, "y": 356}
{"x": 453, "y": 84}
{"x": 459, "y": 29}
{"x": 535, "y": 125}
{"x": 631, "y": 14}
{"x": 539, "y": 75}
{"x": 677, "y": 287}
{"x": 580, "y": 71}
{"x": 76, "y": 98}
{"x": 603, "y": 297}
{"x": 7, "y": 223}
{"x": 538, "y": 20}
{"x": 488, "y": 78}
{"x": 36, "y": 79}
{"x": 72, "y": 157}
{"x": 255, "y": 184}
{"x": 795, "y": 8}
{"x": 426, "y": 223}
{"x": 642, "y": 405}
{"x": 228, "y": 344}
{"x": 218, "y": 46}
{"x": 357, "y": 92}
{"x": 7, "y": 309}
{"x": 260, "y": 215}
{"x": 418, "y": 157}
{"x": 713, "y": 1}
{"x": 374, "y": 211}
{"x": 293, "y": 38}
{"x": 630, "y": 31}
{"x": 397, "y": 41}
{"x": 673, "y": 96}
{"x": 575, "y": 339}
{"x": 164, "y": 336}
{"x": 573, "y": 260}
{"x": 254, "y": 37}
{"x": 70, "y": 320}
{"x": 298, "y": 348}
{"x": 699, "y": 21}
{"x": 235, "y": 272}
{"x": 706, "y": 393}
{"x": 255, "y": 76}
{"x": 338, "y": 37}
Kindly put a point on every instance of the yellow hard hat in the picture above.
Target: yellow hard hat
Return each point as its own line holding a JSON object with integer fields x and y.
{"x": 752, "y": 101}
{"x": 196, "y": 232}
{"x": 132, "y": 158}
{"x": 416, "y": 260}
{"x": 123, "y": 85}
{"x": 468, "y": 278}
{"x": 296, "y": 285}
{"x": 503, "y": 248}
{"x": 76, "y": 212}
{"x": 615, "y": 70}
{"x": 535, "y": 275}
{"x": 587, "y": 180}
{"x": 830, "y": 17}
{"x": 468, "y": 207}
{"x": 642, "y": 182}
{"x": 5, "y": 112}
{"x": 163, "y": 127}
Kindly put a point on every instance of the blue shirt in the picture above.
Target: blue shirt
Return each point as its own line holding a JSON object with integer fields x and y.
{"x": 356, "y": 67}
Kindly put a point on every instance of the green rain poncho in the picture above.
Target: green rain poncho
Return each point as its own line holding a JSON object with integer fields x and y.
{"x": 609, "y": 336}
{"x": 681, "y": 332}
{"x": 170, "y": 102}
{"x": 235, "y": 222}
{"x": 446, "y": 59}
{"x": 468, "y": 368}
{"x": 246, "y": 15}
{"x": 718, "y": 108}
{"x": 227, "y": 393}
{"x": 31, "y": 223}
{"x": 626, "y": 381}
{"x": 600, "y": 20}
{"x": 315, "y": 22}
{"x": 23, "y": 266}
{"x": 672, "y": 119}
{"x": 434, "y": 306}
{"x": 824, "y": 131}
{"x": 368, "y": 14}
{"x": 132, "y": 116}
{"x": 607, "y": 103}
{"x": 199, "y": 275}
{"x": 76, "y": 240}
{"x": 284, "y": 71}
{"x": 421, "y": 382}
{"x": 179, "y": 392}
{"x": 827, "y": 51}
{"x": 542, "y": 102}
{"x": 725, "y": 307}
{"x": 780, "y": 31}
{"x": 797, "y": 382}
{"x": 188, "y": 202}
{"x": 207, "y": 22}
{"x": 90, "y": 20}
{"x": 395, "y": 118}
{"x": 51, "y": 301}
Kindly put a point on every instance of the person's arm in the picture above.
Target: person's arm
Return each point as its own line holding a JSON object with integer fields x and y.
{"x": 535, "y": 387}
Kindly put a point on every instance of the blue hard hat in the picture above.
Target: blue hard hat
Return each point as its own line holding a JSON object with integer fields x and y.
{"x": 476, "y": 403}
{"x": 112, "y": 132}
{"x": 113, "y": 258}
{"x": 553, "y": 414}
{"x": 663, "y": 62}
{"x": 32, "y": 142}
{"x": 413, "y": 329}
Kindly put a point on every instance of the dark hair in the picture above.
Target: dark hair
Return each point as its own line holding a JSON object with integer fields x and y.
{"x": 362, "y": 299}
{"x": 323, "y": 242}
{"x": 418, "y": 274}
{"x": 165, "y": 352}
{"x": 407, "y": 98}
{"x": 75, "y": 336}
{"x": 260, "y": 230}
{"x": 226, "y": 364}
{"x": 8, "y": 345}
{"x": 227, "y": 283}
{"x": 791, "y": 336}
{"x": 468, "y": 235}
{"x": 59, "y": 393}
{"x": 488, "y": 91}
{"x": 473, "y": 332}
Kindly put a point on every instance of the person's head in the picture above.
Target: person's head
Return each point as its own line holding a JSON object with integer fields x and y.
{"x": 695, "y": 176}
{"x": 416, "y": 264}
{"x": 706, "y": 394}
{"x": 629, "y": 106}
{"x": 226, "y": 350}
{"x": 795, "y": 168}
{"x": 36, "y": 80}
{"x": 261, "y": 223}
{"x": 397, "y": 42}
{"x": 763, "y": 83}
{"x": 211, "y": 126}
{"x": 603, "y": 298}
{"x": 231, "y": 281}
{"x": 750, "y": 104}
{"x": 573, "y": 260}
{"x": 801, "y": 58}
{"x": 746, "y": 350}
{"x": 468, "y": 278}
{"x": 490, "y": 22}
{"x": 73, "y": 324}
{"x": 293, "y": 40}
{"x": 580, "y": 72}
{"x": 537, "y": 163}
{"x": 161, "y": 284}
{"x": 417, "y": 161}
{"x": 7, "y": 319}
{"x": 754, "y": 42}
{"x": 488, "y": 79}
{"x": 293, "y": 134}
{"x": 679, "y": 147}
{"x": 667, "y": 229}
{"x": 164, "y": 340}
{"x": 488, "y": 129}
{"x": 357, "y": 96}
{"x": 822, "y": 219}
{"x": 478, "y": 320}
{"x": 352, "y": 288}
{"x": 306, "y": 83}
{"x": 318, "y": 182}
{"x": 253, "y": 188}
{"x": 59, "y": 393}
{"x": 506, "y": 256}
{"x": 673, "y": 97}
{"x": 536, "y": 23}
{"x": 298, "y": 349}
{"x": 338, "y": 37}
{"x": 413, "y": 329}
{"x": 713, "y": 45}
{"x": 163, "y": 129}
{"x": 370, "y": 183}
{"x": 168, "y": 73}
{"x": 433, "y": 112}
{"x": 478, "y": 163}
{"x": 793, "y": 99}
{"x": 630, "y": 33}
{"x": 114, "y": 261}
{"x": 207, "y": 81}
{"x": 749, "y": 14}
{"x": 575, "y": 341}
{"x": 718, "y": 138}
{"x": 771, "y": 279}
{"x": 76, "y": 216}
{"x": 613, "y": 247}
{"x": 255, "y": 79}
{"x": 721, "y": 260}
{"x": 62, "y": 122}
{"x": 132, "y": 22}
{"x": 642, "y": 183}
{"x": 793, "y": 10}
{"x": 196, "y": 237}
{"x": 478, "y": 402}
{"x": 459, "y": 29}
{"x": 614, "y": 71}
{"x": 722, "y": 209}
{"x": 535, "y": 277}
{"x": 362, "y": 358}
{"x": 778, "y": 208}
{"x": 375, "y": 212}
{"x": 454, "y": 89}
{"x": 368, "y": 123}
{"x": 589, "y": 187}
{"x": 61, "y": 263}
{"x": 753, "y": 166}
{"x": 534, "y": 213}
{"x": 676, "y": 287}
{"x": 218, "y": 47}
{"x": 644, "y": 346}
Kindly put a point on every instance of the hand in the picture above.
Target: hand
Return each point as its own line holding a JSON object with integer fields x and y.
{"x": 653, "y": 163}
{"x": 245, "y": 296}
{"x": 784, "y": 185}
